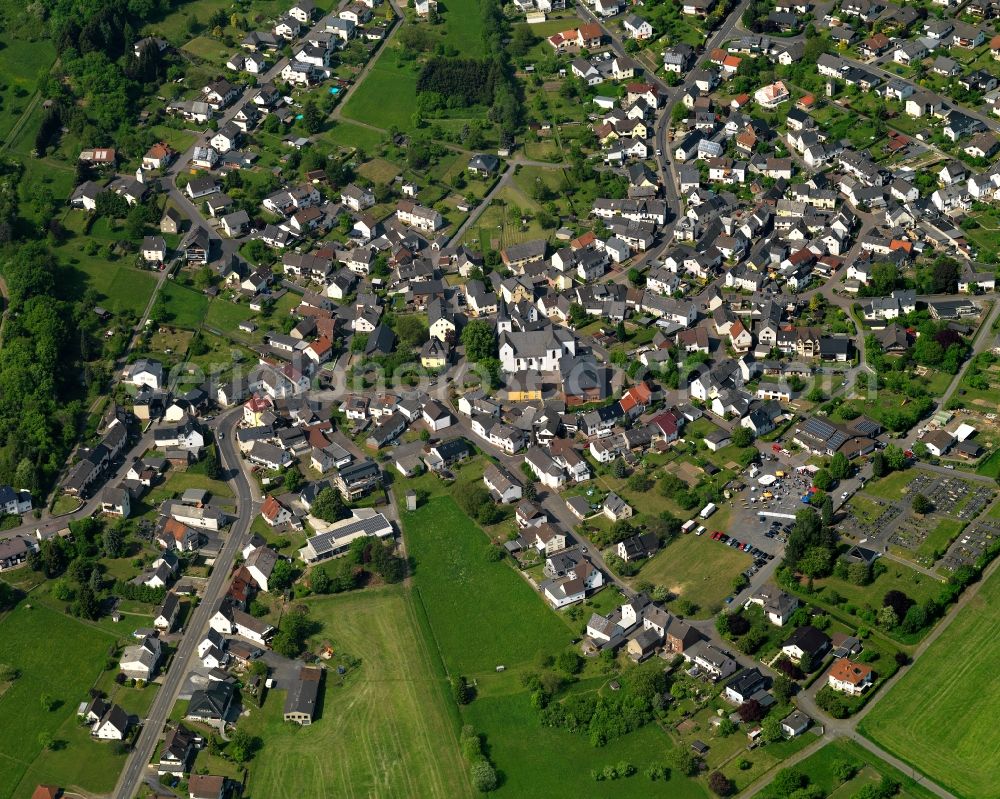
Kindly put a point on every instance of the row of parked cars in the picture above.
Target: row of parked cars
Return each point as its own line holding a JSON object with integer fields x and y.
{"x": 758, "y": 554}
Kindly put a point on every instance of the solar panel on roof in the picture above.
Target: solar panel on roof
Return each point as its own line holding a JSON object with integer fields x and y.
{"x": 818, "y": 428}
{"x": 837, "y": 440}
{"x": 866, "y": 427}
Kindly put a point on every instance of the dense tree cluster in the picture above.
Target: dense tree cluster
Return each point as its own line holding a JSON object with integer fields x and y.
{"x": 459, "y": 82}
{"x": 688, "y": 498}
{"x": 45, "y": 340}
{"x": 606, "y": 717}
{"x": 811, "y": 545}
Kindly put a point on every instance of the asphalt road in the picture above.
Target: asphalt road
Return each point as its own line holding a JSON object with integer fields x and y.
{"x": 135, "y": 770}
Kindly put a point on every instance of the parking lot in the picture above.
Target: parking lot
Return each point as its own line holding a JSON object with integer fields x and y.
{"x": 763, "y": 513}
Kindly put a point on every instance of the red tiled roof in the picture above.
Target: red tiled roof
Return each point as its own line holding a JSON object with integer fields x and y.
{"x": 851, "y": 672}
{"x": 271, "y": 508}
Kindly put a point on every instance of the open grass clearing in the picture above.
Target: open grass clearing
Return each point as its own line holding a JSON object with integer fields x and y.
{"x": 121, "y": 286}
{"x": 389, "y": 730}
{"x": 482, "y": 614}
{"x": 183, "y": 307}
{"x": 388, "y": 95}
{"x": 347, "y": 134}
{"x": 852, "y": 599}
{"x": 378, "y": 170}
{"x": 697, "y": 569}
{"x": 542, "y": 761}
{"x": 21, "y": 63}
{"x": 64, "y": 668}
{"x": 940, "y": 716}
{"x": 892, "y": 486}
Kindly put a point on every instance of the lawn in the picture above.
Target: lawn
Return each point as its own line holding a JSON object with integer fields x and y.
{"x": 389, "y": 731}
{"x": 941, "y": 715}
{"x": 481, "y": 614}
{"x": 78, "y": 761}
{"x": 183, "y": 307}
{"x": 892, "y": 486}
{"x": 698, "y": 569}
{"x": 543, "y": 761}
{"x": 179, "y": 482}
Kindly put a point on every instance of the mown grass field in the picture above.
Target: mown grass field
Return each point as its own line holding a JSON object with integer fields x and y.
{"x": 698, "y": 569}
{"x": 185, "y": 307}
{"x": 388, "y": 95}
{"x": 390, "y": 731}
{"x": 463, "y": 24}
{"x": 892, "y": 486}
{"x": 941, "y": 716}
{"x": 481, "y": 614}
{"x": 62, "y": 657}
{"x": 821, "y": 765}
{"x": 347, "y": 134}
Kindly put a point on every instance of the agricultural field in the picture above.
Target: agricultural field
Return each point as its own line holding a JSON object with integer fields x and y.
{"x": 918, "y": 720}
{"x": 821, "y": 767}
{"x": 390, "y": 730}
{"x": 75, "y": 759}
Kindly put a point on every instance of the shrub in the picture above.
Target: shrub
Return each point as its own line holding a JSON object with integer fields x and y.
{"x": 720, "y": 784}
{"x": 484, "y": 776}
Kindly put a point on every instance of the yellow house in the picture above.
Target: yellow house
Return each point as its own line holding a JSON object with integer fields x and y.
{"x": 521, "y": 389}
{"x": 434, "y": 354}
{"x": 639, "y": 130}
